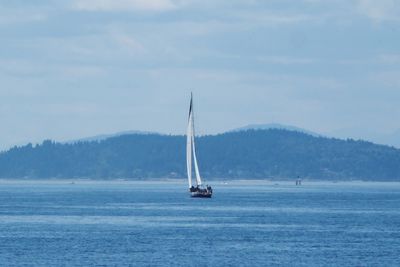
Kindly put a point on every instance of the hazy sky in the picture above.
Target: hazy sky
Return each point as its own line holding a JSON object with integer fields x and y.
{"x": 77, "y": 68}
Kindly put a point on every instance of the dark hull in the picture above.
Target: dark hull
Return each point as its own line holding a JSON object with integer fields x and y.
{"x": 200, "y": 191}
{"x": 201, "y": 194}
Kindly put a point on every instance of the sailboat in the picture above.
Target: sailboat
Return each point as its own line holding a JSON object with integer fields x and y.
{"x": 199, "y": 190}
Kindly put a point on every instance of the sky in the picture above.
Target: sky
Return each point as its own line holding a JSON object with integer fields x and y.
{"x": 78, "y": 68}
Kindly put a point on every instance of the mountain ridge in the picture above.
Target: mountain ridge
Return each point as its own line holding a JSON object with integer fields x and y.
{"x": 268, "y": 126}
{"x": 258, "y": 154}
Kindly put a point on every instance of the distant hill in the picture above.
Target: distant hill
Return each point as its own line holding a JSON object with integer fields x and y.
{"x": 271, "y": 154}
{"x": 102, "y": 137}
{"x": 269, "y": 126}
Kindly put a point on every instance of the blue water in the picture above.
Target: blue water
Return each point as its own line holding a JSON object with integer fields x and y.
{"x": 157, "y": 224}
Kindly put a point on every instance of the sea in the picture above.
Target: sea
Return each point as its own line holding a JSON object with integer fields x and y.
{"x": 156, "y": 223}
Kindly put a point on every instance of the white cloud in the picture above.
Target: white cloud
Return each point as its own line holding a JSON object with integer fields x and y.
{"x": 130, "y": 43}
{"x": 12, "y": 16}
{"x": 275, "y": 19}
{"x": 283, "y": 60}
{"x": 380, "y": 10}
{"x": 388, "y": 78}
{"x": 270, "y": 17}
{"x": 81, "y": 71}
{"x": 389, "y": 58}
{"x": 122, "y": 5}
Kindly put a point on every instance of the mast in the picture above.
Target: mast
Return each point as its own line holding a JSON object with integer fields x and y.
{"x": 189, "y": 135}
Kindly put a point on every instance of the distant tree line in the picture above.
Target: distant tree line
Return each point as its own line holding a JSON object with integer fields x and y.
{"x": 260, "y": 154}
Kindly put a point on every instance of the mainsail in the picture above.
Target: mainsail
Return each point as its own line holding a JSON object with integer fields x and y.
{"x": 191, "y": 148}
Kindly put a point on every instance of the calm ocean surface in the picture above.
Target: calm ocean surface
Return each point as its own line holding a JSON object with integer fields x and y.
{"x": 158, "y": 224}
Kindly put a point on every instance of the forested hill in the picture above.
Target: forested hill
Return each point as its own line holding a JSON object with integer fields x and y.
{"x": 273, "y": 153}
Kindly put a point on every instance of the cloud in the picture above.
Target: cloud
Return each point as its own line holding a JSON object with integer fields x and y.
{"x": 391, "y": 79}
{"x": 277, "y": 19}
{"x": 123, "y": 5}
{"x": 389, "y": 58}
{"x": 12, "y": 16}
{"x": 129, "y": 42}
{"x": 381, "y": 10}
{"x": 283, "y": 60}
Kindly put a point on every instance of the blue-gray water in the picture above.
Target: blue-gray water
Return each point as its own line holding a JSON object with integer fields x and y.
{"x": 157, "y": 224}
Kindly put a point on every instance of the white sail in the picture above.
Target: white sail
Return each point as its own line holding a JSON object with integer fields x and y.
{"x": 196, "y": 166}
{"x": 191, "y": 148}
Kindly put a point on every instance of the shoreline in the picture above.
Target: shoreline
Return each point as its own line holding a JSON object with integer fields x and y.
{"x": 214, "y": 182}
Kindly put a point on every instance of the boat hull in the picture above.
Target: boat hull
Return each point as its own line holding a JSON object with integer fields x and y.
{"x": 201, "y": 194}
{"x": 201, "y": 191}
